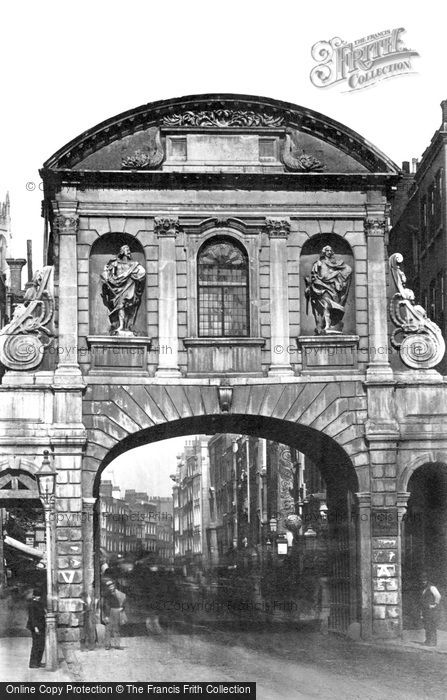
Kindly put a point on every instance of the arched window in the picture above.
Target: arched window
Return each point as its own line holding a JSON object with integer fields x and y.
{"x": 223, "y": 289}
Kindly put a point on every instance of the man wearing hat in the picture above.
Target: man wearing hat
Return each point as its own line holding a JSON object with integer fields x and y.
{"x": 113, "y": 614}
{"x": 36, "y": 625}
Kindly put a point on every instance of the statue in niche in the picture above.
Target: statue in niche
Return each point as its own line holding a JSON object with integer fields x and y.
{"x": 122, "y": 288}
{"x": 327, "y": 290}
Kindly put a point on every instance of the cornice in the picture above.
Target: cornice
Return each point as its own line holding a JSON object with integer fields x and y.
{"x": 125, "y": 179}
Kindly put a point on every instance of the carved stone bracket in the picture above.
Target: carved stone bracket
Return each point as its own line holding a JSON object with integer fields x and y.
{"x": 166, "y": 226}
{"x": 225, "y": 396}
{"x": 150, "y": 158}
{"x": 23, "y": 340}
{"x": 277, "y": 227}
{"x": 418, "y": 339}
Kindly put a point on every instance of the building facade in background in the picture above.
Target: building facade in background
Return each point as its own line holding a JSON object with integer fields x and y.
{"x": 419, "y": 226}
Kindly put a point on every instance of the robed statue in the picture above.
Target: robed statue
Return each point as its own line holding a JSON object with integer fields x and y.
{"x": 122, "y": 288}
{"x": 327, "y": 290}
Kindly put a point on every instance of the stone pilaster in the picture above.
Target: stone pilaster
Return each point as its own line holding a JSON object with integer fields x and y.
{"x": 167, "y": 229}
{"x": 364, "y": 500}
{"x": 386, "y": 603}
{"x": 66, "y": 225}
{"x": 402, "y": 504}
{"x": 379, "y": 366}
{"x": 278, "y": 230}
{"x": 69, "y": 540}
{"x": 88, "y": 506}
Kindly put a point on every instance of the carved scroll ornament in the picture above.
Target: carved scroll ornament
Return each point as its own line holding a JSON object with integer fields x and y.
{"x": 418, "y": 339}
{"x": 148, "y": 159}
{"x": 23, "y": 340}
{"x": 296, "y": 161}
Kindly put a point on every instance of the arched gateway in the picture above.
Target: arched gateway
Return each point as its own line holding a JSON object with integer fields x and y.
{"x": 217, "y": 263}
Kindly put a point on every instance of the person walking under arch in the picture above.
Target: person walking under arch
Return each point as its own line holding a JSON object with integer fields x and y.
{"x": 113, "y": 615}
{"x": 430, "y": 600}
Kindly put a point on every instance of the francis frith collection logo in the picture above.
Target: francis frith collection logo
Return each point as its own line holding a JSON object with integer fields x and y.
{"x": 361, "y": 63}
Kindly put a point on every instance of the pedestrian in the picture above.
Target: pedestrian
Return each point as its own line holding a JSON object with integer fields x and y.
{"x": 113, "y": 615}
{"x": 36, "y": 625}
{"x": 430, "y": 600}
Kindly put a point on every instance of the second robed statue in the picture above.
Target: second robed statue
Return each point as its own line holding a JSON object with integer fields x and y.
{"x": 327, "y": 290}
{"x": 122, "y": 288}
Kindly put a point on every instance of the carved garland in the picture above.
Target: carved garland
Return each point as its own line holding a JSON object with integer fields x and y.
{"x": 422, "y": 345}
{"x": 224, "y": 118}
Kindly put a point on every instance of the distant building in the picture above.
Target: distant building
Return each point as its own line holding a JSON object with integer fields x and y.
{"x": 114, "y": 521}
{"x": 191, "y": 505}
{"x": 164, "y": 528}
{"x": 419, "y": 227}
{"x": 143, "y": 517}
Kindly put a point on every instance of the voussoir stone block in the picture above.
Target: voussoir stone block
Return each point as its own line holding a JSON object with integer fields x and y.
{"x": 70, "y": 605}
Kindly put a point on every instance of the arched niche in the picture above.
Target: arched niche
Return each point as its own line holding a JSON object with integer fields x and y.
{"x": 310, "y": 254}
{"x": 103, "y": 250}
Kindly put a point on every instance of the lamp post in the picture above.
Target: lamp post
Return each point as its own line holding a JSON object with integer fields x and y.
{"x": 46, "y": 482}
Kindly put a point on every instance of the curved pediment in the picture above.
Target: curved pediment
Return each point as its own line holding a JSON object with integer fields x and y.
{"x": 221, "y": 133}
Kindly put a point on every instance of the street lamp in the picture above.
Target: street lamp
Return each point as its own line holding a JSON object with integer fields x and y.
{"x": 46, "y": 483}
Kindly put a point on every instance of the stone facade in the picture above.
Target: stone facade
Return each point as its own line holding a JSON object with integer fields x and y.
{"x": 222, "y": 175}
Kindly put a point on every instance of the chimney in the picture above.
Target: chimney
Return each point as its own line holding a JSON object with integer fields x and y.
{"x": 15, "y": 268}
{"x": 414, "y": 165}
{"x": 406, "y": 167}
{"x": 444, "y": 115}
{"x": 29, "y": 259}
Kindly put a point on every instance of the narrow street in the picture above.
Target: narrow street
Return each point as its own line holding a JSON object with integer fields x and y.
{"x": 284, "y": 665}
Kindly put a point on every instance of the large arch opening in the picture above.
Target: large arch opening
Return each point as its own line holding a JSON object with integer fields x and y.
{"x": 285, "y": 537}
{"x": 424, "y": 538}
{"x": 22, "y": 547}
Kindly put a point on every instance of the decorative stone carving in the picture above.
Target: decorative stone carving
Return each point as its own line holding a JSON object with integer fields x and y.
{"x": 418, "y": 339}
{"x": 150, "y": 158}
{"x": 224, "y": 117}
{"x": 277, "y": 227}
{"x": 327, "y": 291}
{"x": 296, "y": 161}
{"x": 225, "y": 396}
{"x": 375, "y": 227}
{"x": 66, "y": 224}
{"x": 122, "y": 288}
{"x": 23, "y": 340}
{"x": 287, "y": 496}
{"x": 166, "y": 225}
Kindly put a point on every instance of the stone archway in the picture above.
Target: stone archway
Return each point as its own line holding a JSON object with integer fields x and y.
{"x": 424, "y": 535}
{"x": 335, "y": 467}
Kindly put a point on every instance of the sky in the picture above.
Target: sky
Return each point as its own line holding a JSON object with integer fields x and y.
{"x": 147, "y": 468}
{"x": 67, "y": 66}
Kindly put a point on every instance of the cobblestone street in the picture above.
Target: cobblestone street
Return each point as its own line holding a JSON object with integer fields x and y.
{"x": 284, "y": 665}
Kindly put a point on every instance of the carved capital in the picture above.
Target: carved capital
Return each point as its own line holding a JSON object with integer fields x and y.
{"x": 375, "y": 227}
{"x": 277, "y": 227}
{"x": 166, "y": 226}
{"x": 66, "y": 224}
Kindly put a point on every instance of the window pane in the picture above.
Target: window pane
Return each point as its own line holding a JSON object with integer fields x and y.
{"x": 223, "y": 290}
